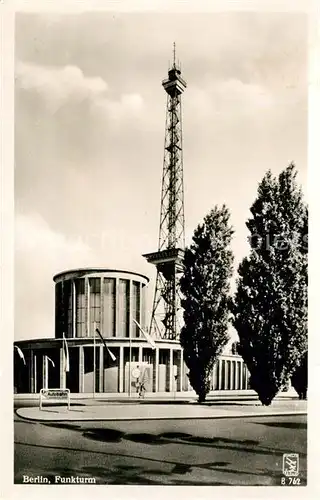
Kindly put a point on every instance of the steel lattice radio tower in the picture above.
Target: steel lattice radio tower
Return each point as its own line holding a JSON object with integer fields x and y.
{"x": 168, "y": 259}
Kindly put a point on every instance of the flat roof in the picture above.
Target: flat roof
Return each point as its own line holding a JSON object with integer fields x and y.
{"x": 85, "y": 270}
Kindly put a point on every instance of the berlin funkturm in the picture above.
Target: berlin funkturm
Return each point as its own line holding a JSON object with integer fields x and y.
{"x": 166, "y": 313}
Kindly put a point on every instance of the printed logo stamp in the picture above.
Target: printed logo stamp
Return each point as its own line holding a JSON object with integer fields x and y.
{"x": 290, "y": 464}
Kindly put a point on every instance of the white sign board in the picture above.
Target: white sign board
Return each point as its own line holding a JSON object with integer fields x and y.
{"x": 55, "y": 394}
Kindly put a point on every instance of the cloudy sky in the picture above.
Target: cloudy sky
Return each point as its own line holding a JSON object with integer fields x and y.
{"x": 89, "y": 134}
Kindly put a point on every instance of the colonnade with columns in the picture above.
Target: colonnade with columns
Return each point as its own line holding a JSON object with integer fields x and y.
{"x": 230, "y": 373}
{"x": 165, "y": 368}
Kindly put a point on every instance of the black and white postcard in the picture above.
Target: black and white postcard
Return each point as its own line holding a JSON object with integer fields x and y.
{"x": 160, "y": 247}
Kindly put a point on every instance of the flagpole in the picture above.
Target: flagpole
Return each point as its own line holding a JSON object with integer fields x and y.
{"x": 66, "y": 359}
{"x": 94, "y": 358}
{"x": 46, "y": 371}
{"x": 129, "y": 378}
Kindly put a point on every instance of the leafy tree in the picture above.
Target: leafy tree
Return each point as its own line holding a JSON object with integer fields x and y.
{"x": 270, "y": 305}
{"x": 299, "y": 379}
{"x": 205, "y": 288}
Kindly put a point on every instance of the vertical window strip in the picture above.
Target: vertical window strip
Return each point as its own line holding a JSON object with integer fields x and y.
{"x": 80, "y": 308}
{"x": 135, "y": 308}
{"x": 109, "y": 306}
{"x": 95, "y": 304}
{"x": 124, "y": 300}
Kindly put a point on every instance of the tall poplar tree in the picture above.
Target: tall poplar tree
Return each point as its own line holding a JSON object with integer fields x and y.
{"x": 299, "y": 379}
{"x": 270, "y": 305}
{"x": 205, "y": 288}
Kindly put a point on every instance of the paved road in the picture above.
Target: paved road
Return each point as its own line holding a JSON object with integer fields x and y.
{"x": 242, "y": 451}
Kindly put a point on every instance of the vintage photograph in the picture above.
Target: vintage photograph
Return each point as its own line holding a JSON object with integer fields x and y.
{"x": 161, "y": 248}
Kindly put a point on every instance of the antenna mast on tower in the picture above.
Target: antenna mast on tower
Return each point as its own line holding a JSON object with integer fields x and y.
{"x": 168, "y": 259}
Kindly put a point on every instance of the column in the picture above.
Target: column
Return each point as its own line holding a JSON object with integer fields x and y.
{"x": 101, "y": 367}
{"x": 171, "y": 371}
{"x": 62, "y": 370}
{"x": 121, "y": 370}
{"x": 141, "y": 318}
{"x": 245, "y": 378}
{"x": 220, "y": 374}
{"x": 214, "y": 377}
{"x": 81, "y": 368}
{"x": 236, "y": 377}
{"x": 240, "y": 377}
{"x": 225, "y": 375}
{"x": 180, "y": 372}
{"x": 130, "y": 309}
{"x": 140, "y": 358}
{"x": 74, "y": 308}
{"x": 156, "y": 372}
{"x": 231, "y": 375}
{"x": 44, "y": 372}
{"x": 116, "y": 319}
{"x": 101, "y": 308}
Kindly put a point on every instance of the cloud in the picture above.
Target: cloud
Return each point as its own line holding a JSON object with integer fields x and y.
{"x": 129, "y": 105}
{"x": 58, "y": 85}
{"x": 39, "y": 254}
{"x": 33, "y": 234}
{"x": 230, "y": 99}
{"x": 244, "y": 96}
{"x": 67, "y": 133}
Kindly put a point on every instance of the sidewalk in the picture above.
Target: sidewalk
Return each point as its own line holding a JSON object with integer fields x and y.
{"x": 215, "y": 407}
{"x": 161, "y": 396}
